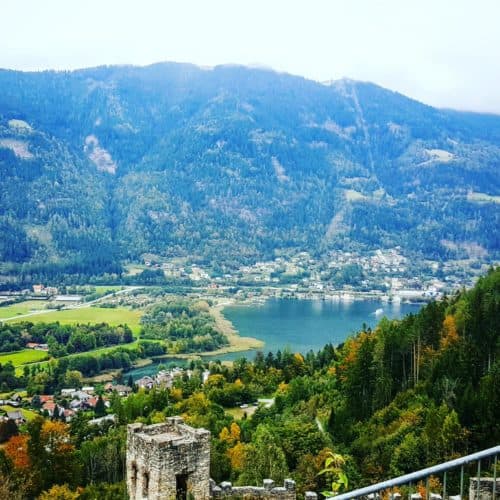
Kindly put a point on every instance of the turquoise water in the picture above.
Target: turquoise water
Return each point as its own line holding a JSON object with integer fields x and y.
{"x": 300, "y": 325}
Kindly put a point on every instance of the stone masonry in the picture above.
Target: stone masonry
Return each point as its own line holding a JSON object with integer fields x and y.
{"x": 485, "y": 488}
{"x": 171, "y": 460}
{"x": 168, "y": 461}
{"x": 267, "y": 491}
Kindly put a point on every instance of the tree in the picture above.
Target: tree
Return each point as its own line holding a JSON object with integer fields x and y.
{"x": 73, "y": 379}
{"x": 334, "y": 467}
{"x": 8, "y": 428}
{"x": 16, "y": 449}
{"x": 264, "y": 458}
{"x": 453, "y": 435}
{"x": 100, "y": 407}
{"x": 59, "y": 492}
{"x": 103, "y": 457}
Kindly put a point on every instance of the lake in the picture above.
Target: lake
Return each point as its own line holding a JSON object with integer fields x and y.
{"x": 300, "y": 325}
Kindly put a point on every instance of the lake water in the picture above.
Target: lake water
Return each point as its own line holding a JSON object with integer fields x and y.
{"x": 300, "y": 325}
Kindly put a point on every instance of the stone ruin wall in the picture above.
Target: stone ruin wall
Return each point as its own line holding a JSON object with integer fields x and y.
{"x": 485, "y": 488}
{"x": 164, "y": 458}
{"x": 268, "y": 491}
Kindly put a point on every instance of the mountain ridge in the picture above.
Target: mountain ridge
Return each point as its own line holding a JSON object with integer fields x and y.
{"x": 236, "y": 163}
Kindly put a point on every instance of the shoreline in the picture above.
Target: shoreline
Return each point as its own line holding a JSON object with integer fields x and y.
{"x": 237, "y": 343}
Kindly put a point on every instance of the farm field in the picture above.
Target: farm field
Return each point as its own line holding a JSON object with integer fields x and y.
{"x": 21, "y": 308}
{"x": 113, "y": 316}
{"x": 105, "y": 288}
{"x": 28, "y": 414}
{"x": 19, "y": 358}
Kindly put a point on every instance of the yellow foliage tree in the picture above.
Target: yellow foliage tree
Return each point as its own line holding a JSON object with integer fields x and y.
{"x": 17, "y": 450}
{"x": 176, "y": 394}
{"x": 231, "y": 435}
{"x": 56, "y": 437}
{"x": 235, "y": 431}
{"x": 224, "y": 435}
{"x": 449, "y": 333}
{"x": 237, "y": 456}
{"x": 215, "y": 380}
{"x": 59, "y": 492}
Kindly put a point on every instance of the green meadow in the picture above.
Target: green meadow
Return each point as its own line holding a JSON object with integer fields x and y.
{"x": 21, "y": 308}
{"x": 19, "y": 358}
{"x": 112, "y": 316}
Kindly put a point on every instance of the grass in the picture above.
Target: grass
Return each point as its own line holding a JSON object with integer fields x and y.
{"x": 21, "y": 308}
{"x": 23, "y": 357}
{"x": 134, "y": 269}
{"x": 112, "y": 316}
{"x": 28, "y": 414}
{"x": 237, "y": 413}
{"x": 105, "y": 288}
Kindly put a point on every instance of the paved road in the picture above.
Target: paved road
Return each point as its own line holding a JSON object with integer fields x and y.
{"x": 76, "y": 306}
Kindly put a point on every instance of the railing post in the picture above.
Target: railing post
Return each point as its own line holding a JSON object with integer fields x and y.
{"x": 427, "y": 488}
{"x": 494, "y": 477}
{"x": 462, "y": 482}
{"x": 478, "y": 489}
{"x": 444, "y": 485}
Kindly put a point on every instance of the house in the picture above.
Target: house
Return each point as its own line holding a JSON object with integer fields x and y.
{"x": 68, "y": 298}
{"x": 101, "y": 420}
{"x": 145, "y": 382}
{"x": 122, "y": 390}
{"x": 164, "y": 378}
{"x": 49, "y": 407}
{"x": 17, "y": 416}
{"x": 91, "y": 402}
{"x": 75, "y": 404}
{"x": 88, "y": 389}
{"x": 81, "y": 395}
{"x": 37, "y": 346}
{"x": 67, "y": 392}
{"x": 46, "y": 399}
{"x": 68, "y": 415}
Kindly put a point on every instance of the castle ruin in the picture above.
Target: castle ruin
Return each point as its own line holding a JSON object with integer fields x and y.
{"x": 167, "y": 461}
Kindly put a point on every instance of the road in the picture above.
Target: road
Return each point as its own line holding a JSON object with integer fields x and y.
{"x": 76, "y": 306}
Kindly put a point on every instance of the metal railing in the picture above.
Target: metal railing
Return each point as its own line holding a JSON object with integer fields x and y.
{"x": 444, "y": 468}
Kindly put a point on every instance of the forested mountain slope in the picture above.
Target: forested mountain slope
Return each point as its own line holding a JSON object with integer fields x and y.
{"x": 233, "y": 163}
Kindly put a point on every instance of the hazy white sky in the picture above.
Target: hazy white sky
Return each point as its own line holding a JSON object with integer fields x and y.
{"x": 443, "y": 52}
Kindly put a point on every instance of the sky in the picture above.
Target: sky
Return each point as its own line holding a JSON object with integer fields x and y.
{"x": 442, "y": 52}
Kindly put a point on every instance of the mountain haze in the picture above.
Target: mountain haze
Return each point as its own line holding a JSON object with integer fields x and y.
{"x": 233, "y": 164}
